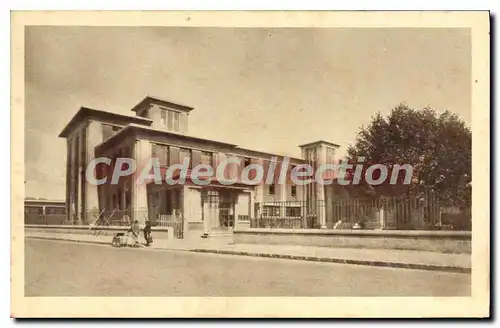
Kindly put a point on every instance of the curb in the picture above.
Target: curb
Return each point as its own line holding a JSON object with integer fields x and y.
{"x": 105, "y": 243}
{"x": 70, "y": 240}
{"x": 400, "y": 265}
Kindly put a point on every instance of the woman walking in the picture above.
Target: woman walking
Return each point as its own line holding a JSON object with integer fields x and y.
{"x": 136, "y": 230}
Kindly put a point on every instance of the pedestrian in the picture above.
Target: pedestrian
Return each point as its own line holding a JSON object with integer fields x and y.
{"x": 135, "y": 229}
{"x": 147, "y": 233}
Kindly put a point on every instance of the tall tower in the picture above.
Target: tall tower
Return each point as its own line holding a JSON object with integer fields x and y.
{"x": 87, "y": 129}
{"x": 167, "y": 116}
{"x": 316, "y": 154}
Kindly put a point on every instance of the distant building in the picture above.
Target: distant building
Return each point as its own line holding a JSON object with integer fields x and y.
{"x": 159, "y": 129}
{"x": 43, "y": 211}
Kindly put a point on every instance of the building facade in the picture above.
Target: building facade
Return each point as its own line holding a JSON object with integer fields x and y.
{"x": 44, "y": 211}
{"x": 159, "y": 129}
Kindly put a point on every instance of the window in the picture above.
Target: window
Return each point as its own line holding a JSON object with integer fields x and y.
{"x": 164, "y": 117}
{"x": 292, "y": 211}
{"x": 128, "y": 200}
{"x": 330, "y": 156}
{"x": 55, "y": 210}
{"x": 294, "y": 190}
{"x": 176, "y": 121}
{"x": 171, "y": 119}
{"x": 271, "y": 189}
{"x": 206, "y": 158}
{"x": 211, "y": 197}
{"x": 160, "y": 152}
{"x": 114, "y": 204}
{"x": 170, "y": 123}
{"x": 271, "y": 210}
{"x": 243, "y": 217}
{"x": 34, "y": 210}
{"x": 120, "y": 199}
{"x": 185, "y": 153}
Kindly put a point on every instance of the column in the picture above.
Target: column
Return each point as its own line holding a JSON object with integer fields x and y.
{"x": 206, "y": 213}
{"x": 142, "y": 154}
{"x": 282, "y": 198}
{"x": 381, "y": 218}
{"x": 77, "y": 168}
{"x": 259, "y": 192}
{"x": 320, "y": 188}
{"x": 251, "y": 214}
{"x": 242, "y": 207}
{"x": 301, "y": 196}
{"x": 68, "y": 180}
{"x": 184, "y": 206}
{"x": 94, "y": 138}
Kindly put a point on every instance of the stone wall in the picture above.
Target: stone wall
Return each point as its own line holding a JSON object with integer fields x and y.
{"x": 434, "y": 241}
{"x": 158, "y": 232}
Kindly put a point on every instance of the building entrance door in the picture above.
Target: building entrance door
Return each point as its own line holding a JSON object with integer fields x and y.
{"x": 226, "y": 215}
{"x": 218, "y": 209}
{"x": 226, "y": 209}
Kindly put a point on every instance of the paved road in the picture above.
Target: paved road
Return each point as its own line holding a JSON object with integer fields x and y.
{"x": 55, "y": 268}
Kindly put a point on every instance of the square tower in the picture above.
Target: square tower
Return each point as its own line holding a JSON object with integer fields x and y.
{"x": 167, "y": 116}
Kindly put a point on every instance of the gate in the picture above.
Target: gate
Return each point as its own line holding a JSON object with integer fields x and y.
{"x": 218, "y": 208}
{"x": 175, "y": 222}
{"x": 226, "y": 217}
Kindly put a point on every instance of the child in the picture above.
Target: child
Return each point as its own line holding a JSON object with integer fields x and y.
{"x": 147, "y": 233}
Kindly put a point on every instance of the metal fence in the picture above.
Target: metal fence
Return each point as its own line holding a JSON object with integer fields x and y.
{"x": 422, "y": 212}
{"x": 175, "y": 222}
{"x": 106, "y": 218}
{"x": 285, "y": 215}
{"x": 126, "y": 218}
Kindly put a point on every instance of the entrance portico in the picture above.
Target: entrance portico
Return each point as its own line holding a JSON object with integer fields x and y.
{"x": 199, "y": 210}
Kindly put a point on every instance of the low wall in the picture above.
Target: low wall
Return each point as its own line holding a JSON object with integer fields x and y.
{"x": 435, "y": 241}
{"x": 159, "y": 232}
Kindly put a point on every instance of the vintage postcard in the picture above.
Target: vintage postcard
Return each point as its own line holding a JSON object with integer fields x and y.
{"x": 250, "y": 164}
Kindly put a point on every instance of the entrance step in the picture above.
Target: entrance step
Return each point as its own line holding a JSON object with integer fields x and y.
{"x": 218, "y": 233}
{"x": 215, "y": 235}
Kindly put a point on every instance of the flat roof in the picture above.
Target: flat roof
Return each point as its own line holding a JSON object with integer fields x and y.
{"x": 46, "y": 201}
{"x": 84, "y": 112}
{"x": 131, "y": 127}
{"x": 148, "y": 100}
{"x": 319, "y": 142}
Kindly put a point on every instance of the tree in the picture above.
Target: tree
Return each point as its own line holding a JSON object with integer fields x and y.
{"x": 438, "y": 146}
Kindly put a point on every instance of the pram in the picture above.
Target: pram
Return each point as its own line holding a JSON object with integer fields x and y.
{"x": 120, "y": 239}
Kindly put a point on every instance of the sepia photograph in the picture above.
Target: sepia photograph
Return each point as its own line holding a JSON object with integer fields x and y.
{"x": 260, "y": 159}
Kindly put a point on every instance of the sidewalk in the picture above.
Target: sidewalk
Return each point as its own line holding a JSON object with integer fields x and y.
{"x": 373, "y": 257}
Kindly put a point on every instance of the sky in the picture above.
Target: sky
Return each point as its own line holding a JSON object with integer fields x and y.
{"x": 264, "y": 89}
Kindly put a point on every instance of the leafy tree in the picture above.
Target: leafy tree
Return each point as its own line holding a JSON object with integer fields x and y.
{"x": 438, "y": 146}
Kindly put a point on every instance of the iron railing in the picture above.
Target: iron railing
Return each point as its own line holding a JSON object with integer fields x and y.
{"x": 422, "y": 212}
{"x": 106, "y": 218}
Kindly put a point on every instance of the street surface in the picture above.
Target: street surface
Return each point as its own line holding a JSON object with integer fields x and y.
{"x": 57, "y": 268}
